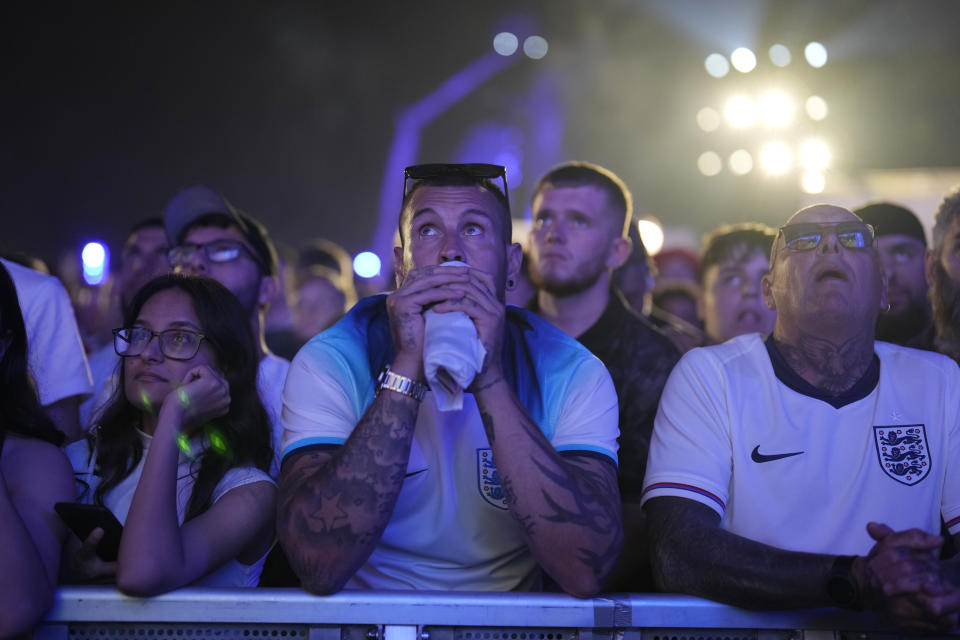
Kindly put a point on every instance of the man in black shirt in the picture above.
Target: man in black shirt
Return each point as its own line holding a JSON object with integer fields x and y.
{"x": 581, "y": 214}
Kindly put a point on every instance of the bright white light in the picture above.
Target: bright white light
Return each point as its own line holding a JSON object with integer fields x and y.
{"x": 505, "y": 43}
{"x": 743, "y": 60}
{"x": 816, "y": 54}
{"x": 741, "y": 162}
{"x": 776, "y": 108}
{"x": 813, "y": 182}
{"x": 780, "y": 55}
{"x": 740, "y": 112}
{"x": 709, "y": 163}
{"x": 814, "y": 155}
{"x": 652, "y": 235}
{"x": 94, "y": 259}
{"x": 366, "y": 264}
{"x": 708, "y": 119}
{"x": 816, "y": 108}
{"x": 717, "y": 65}
{"x": 775, "y": 158}
{"x": 535, "y": 47}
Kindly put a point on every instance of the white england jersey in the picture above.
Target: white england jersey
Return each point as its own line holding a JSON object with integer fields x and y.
{"x": 793, "y": 471}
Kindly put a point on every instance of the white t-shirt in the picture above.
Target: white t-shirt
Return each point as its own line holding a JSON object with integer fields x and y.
{"x": 119, "y": 499}
{"x": 792, "y": 471}
{"x": 271, "y": 373}
{"x": 450, "y": 528}
{"x": 104, "y": 368}
{"x": 55, "y": 350}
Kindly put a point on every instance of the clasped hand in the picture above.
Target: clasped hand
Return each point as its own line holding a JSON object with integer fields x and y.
{"x": 202, "y": 395}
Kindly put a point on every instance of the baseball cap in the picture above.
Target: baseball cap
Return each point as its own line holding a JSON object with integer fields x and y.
{"x": 196, "y": 201}
{"x": 889, "y": 219}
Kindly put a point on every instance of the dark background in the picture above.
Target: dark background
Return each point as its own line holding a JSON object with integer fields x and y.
{"x": 289, "y": 108}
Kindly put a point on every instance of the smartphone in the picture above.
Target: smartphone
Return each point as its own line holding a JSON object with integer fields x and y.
{"x": 84, "y": 518}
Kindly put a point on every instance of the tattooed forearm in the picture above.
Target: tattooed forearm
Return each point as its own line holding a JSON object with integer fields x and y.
{"x": 834, "y": 368}
{"x": 333, "y": 506}
{"x": 568, "y": 508}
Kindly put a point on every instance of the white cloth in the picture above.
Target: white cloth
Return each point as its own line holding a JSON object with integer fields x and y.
{"x": 271, "y": 373}
{"x": 452, "y": 353}
{"x": 118, "y": 500}
{"x": 450, "y": 528}
{"x": 452, "y": 356}
{"x": 55, "y": 351}
{"x": 796, "y": 473}
{"x": 104, "y": 368}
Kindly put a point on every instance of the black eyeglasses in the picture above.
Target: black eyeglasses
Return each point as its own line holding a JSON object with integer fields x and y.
{"x": 807, "y": 236}
{"x": 215, "y": 251}
{"x": 176, "y": 344}
{"x": 473, "y": 171}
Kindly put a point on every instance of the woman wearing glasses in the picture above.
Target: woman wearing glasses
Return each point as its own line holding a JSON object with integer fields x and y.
{"x": 34, "y": 475}
{"x": 180, "y": 454}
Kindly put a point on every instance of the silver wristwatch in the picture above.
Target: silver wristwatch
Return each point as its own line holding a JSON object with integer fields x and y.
{"x": 401, "y": 384}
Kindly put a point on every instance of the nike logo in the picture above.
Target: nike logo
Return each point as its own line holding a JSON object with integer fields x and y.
{"x": 410, "y": 475}
{"x": 756, "y": 456}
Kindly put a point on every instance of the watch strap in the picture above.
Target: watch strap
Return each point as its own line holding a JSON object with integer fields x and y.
{"x": 401, "y": 384}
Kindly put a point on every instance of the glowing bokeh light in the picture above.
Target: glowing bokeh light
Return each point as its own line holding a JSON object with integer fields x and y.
{"x": 776, "y": 109}
{"x": 816, "y": 108}
{"x": 505, "y": 43}
{"x": 814, "y": 155}
{"x": 813, "y": 182}
{"x": 709, "y": 163}
{"x": 740, "y": 112}
{"x": 780, "y": 55}
{"x": 535, "y": 47}
{"x": 743, "y": 60}
{"x": 717, "y": 65}
{"x": 366, "y": 264}
{"x": 775, "y": 158}
{"x": 651, "y": 233}
{"x": 94, "y": 258}
{"x": 708, "y": 119}
{"x": 740, "y": 162}
{"x": 816, "y": 54}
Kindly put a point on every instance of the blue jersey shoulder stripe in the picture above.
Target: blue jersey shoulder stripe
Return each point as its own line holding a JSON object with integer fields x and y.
{"x": 685, "y": 487}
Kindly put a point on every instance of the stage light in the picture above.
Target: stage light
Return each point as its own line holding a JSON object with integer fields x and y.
{"x": 775, "y": 158}
{"x": 717, "y": 65}
{"x": 708, "y": 119}
{"x": 95, "y": 259}
{"x": 780, "y": 55}
{"x": 709, "y": 163}
{"x": 366, "y": 264}
{"x": 776, "y": 109}
{"x": 535, "y": 47}
{"x": 816, "y": 54}
{"x": 740, "y": 112}
{"x": 743, "y": 60}
{"x": 816, "y": 108}
{"x": 505, "y": 43}
{"x": 652, "y": 235}
{"x": 814, "y": 155}
{"x": 813, "y": 182}
{"x": 740, "y": 162}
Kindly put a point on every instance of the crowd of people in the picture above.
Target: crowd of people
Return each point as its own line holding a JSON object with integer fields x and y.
{"x": 771, "y": 423}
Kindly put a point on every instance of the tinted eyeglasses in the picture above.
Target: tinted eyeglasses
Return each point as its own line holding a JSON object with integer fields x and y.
{"x": 807, "y": 236}
{"x": 215, "y": 251}
{"x": 176, "y": 344}
{"x": 474, "y": 171}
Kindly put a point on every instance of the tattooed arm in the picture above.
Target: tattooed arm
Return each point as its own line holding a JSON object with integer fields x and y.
{"x": 333, "y": 507}
{"x": 568, "y": 506}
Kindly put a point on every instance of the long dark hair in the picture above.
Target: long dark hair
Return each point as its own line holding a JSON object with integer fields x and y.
{"x": 241, "y": 437}
{"x": 20, "y": 410}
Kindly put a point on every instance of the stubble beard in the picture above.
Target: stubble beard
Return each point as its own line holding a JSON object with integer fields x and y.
{"x": 945, "y": 298}
{"x": 586, "y": 277}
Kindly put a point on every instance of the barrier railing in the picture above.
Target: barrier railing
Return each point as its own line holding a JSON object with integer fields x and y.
{"x": 101, "y": 613}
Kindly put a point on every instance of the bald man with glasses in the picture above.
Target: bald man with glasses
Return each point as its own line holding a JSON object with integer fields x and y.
{"x": 811, "y": 468}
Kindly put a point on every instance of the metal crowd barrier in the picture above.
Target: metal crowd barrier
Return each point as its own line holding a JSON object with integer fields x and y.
{"x": 102, "y": 613}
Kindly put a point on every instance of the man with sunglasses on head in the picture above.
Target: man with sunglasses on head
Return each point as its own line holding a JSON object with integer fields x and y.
{"x": 385, "y": 489}
{"x": 811, "y": 468}
{"x": 210, "y": 237}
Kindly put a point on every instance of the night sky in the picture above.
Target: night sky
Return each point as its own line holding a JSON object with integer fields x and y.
{"x": 289, "y": 109}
